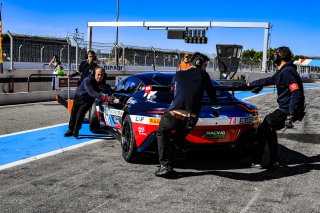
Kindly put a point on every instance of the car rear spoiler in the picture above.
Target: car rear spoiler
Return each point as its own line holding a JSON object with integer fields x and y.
{"x": 233, "y": 88}
{"x": 216, "y": 87}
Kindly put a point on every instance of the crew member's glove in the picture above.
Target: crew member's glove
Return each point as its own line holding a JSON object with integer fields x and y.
{"x": 104, "y": 98}
{"x": 257, "y": 89}
{"x": 289, "y": 122}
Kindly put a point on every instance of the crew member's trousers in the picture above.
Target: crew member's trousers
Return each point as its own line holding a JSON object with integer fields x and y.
{"x": 79, "y": 110}
{"x": 172, "y": 130}
{"x": 267, "y": 134}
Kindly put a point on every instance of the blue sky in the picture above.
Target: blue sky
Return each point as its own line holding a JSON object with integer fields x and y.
{"x": 294, "y": 24}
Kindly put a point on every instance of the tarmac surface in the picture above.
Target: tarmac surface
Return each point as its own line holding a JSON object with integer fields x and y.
{"x": 95, "y": 178}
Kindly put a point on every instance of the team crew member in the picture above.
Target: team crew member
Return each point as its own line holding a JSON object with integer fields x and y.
{"x": 185, "y": 64}
{"x": 86, "y": 67}
{"x": 182, "y": 114}
{"x": 86, "y": 93}
{"x": 58, "y": 69}
{"x": 291, "y": 103}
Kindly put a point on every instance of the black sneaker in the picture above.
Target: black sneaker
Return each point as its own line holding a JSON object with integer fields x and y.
{"x": 163, "y": 171}
{"x": 68, "y": 133}
{"x": 76, "y": 134}
{"x": 256, "y": 165}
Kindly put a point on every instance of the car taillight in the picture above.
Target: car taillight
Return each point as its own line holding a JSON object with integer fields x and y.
{"x": 148, "y": 89}
{"x": 255, "y": 110}
{"x": 157, "y": 112}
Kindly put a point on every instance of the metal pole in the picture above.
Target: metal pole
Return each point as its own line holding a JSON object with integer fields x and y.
{"x": 77, "y": 52}
{"x": 265, "y": 48}
{"x": 69, "y": 67}
{"x": 89, "y": 45}
{"x": 123, "y": 54}
{"x": 154, "y": 58}
{"x": 61, "y": 53}
{"x": 11, "y": 50}
{"x": 19, "y": 52}
{"x": 117, "y": 32}
{"x": 145, "y": 59}
{"x": 41, "y": 53}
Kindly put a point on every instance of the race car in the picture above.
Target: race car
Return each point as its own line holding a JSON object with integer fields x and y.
{"x": 139, "y": 101}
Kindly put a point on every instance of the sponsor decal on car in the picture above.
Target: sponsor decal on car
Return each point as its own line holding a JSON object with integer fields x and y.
{"x": 141, "y": 130}
{"x": 247, "y": 120}
{"x": 215, "y": 134}
{"x": 154, "y": 121}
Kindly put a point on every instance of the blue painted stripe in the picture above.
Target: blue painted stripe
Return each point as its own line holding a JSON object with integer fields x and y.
{"x": 30, "y": 144}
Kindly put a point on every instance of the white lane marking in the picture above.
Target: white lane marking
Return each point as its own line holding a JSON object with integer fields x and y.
{"x": 253, "y": 199}
{"x": 27, "y": 160}
{"x": 32, "y": 130}
{"x": 27, "y": 104}
{"x": 257, "y": 95}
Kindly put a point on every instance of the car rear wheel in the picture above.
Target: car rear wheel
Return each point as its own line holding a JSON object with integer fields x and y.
{"x": 128, "y": 141}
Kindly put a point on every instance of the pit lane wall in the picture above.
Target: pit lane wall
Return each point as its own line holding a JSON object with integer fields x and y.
{"x": 42, "y": 91}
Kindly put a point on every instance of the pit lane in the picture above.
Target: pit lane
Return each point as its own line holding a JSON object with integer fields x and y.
{"x": 95, "y": 178}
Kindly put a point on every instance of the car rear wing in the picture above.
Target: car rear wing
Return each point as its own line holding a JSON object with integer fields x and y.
{"x": 231, "y": 88}
{"x": 216, "y": 87}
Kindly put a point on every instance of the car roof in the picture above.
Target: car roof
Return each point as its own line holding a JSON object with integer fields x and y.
{"x": 148, "y": 77}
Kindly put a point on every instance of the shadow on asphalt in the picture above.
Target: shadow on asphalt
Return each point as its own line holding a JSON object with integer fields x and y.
{"x": 292, "y": 163}
{"x": 95, "y": 136}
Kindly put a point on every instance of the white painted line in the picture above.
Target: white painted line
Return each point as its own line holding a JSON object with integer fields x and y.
{"x": 26, "y": 104}
{"x": 32, "y": 130}
{"x": 253, "y": 199}
{"x": 257, "y": 95}
{"x": 27, "y": 160}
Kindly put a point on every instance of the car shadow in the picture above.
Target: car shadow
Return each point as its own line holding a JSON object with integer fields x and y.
{"x": 292, "y": 163}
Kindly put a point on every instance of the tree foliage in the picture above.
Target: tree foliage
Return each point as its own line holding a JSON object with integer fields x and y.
{"x": 257, "y": 55}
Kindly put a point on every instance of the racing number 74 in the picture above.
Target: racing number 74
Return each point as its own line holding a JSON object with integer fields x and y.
{"x": 233, "y": 120}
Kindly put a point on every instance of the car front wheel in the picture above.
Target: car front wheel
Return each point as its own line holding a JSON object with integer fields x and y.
{"x": 128, "y": 141}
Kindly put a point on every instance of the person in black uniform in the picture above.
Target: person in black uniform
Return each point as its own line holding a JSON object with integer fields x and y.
{"x": 291, "y": 103}
{"x": 182, "y": 115}
{"x": 86, "y": 67}
{"x": 86, "y": 93}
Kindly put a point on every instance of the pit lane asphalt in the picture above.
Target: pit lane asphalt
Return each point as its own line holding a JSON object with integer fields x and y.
{"x": 95, "y": 178}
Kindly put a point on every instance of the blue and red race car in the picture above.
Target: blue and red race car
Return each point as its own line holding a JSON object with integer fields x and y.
{"x": 140, "y": 100}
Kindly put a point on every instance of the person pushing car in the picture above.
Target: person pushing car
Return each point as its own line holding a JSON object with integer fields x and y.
{"x": 182, "y": 115}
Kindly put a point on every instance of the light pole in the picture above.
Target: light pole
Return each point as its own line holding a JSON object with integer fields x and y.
{"x": 61, "y": 53}
{"x": 117, "y": 32}
{"x": 145, "y": 59}
{"x": 19, "y": 51}
{"x": 134, "y": 59}
{"x": 41, "y": 53}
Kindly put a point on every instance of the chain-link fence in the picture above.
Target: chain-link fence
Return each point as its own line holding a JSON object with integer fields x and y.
{"x": 33, "y": 52}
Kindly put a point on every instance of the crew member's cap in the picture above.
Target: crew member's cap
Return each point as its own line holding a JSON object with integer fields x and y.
{"x": 186, "y": 55}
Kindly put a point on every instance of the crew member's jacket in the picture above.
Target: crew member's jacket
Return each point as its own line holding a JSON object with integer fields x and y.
{"x": 189, "y": 87}
{"x": 184, "y": 65}
{"x": 89, "y": 89}
{"x": 85, "y": 69}
{"x": 289, "y": 86}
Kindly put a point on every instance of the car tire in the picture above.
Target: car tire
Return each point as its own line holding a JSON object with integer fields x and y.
{"x": 93, "y": 120}
{"x": 128, "y": 141}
